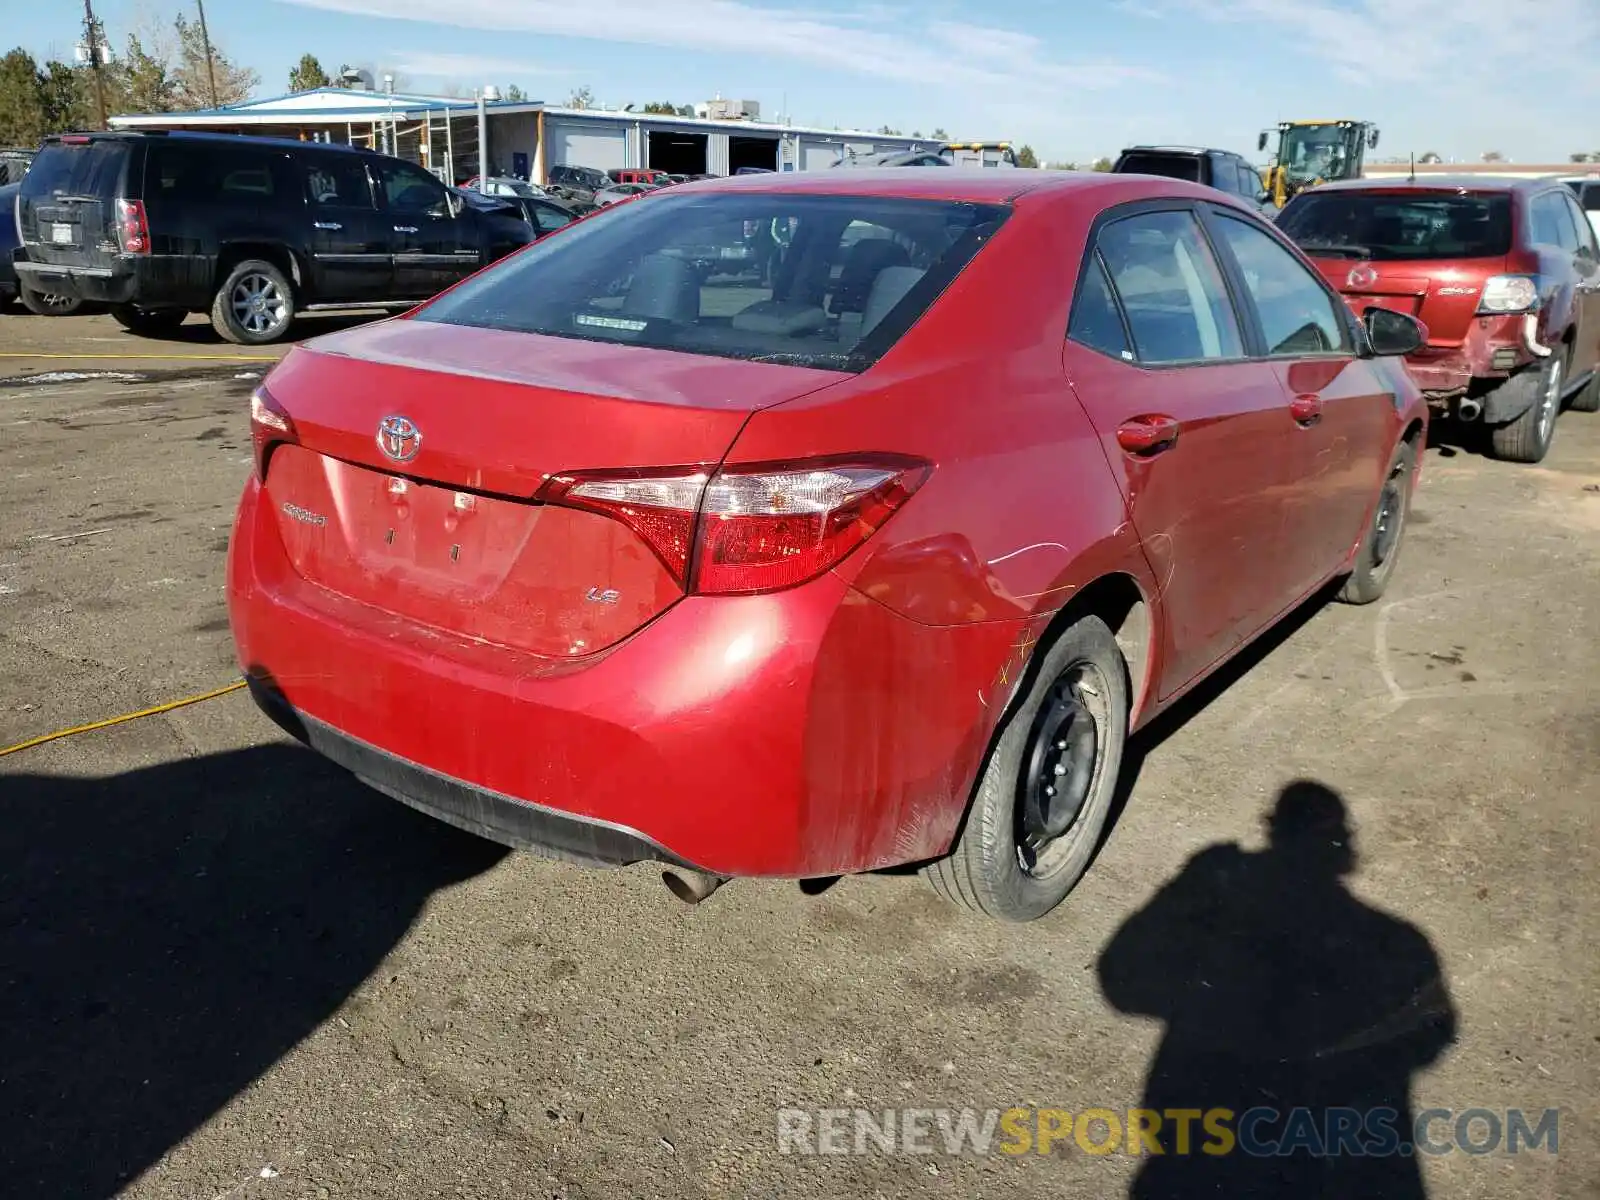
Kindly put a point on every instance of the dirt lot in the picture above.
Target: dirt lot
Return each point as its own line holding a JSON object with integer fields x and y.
{"x": 229, "y": 970}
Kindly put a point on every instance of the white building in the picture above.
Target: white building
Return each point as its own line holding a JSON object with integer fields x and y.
{"x": 528, "y": 137}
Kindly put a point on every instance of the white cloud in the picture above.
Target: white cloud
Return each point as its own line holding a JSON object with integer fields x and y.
{"x": 986, "y": 66}
{"x": 1473, "y": 53}
{"x": 437, "y": 64}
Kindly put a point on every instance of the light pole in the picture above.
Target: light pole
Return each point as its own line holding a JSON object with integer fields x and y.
{"x": 485, "y": 94}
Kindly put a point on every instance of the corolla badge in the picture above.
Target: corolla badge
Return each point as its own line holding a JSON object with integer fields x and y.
{"x": 399, "y": 438}
{"x": 1362, "y": 276}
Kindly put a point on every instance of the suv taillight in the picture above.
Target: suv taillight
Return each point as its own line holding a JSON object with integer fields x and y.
{"x": 133, "y": 231}
{"x": 754, "y": 527}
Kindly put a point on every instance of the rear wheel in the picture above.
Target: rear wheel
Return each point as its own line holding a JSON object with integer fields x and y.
{"x": 1527, "y": 439}
{"x": 48, "y": 304}
{"x": 254, "y": 305}
{"x": 148, "y": 321}
{"x": 1380, "y": 546}
{"x": 1047, "y": 789}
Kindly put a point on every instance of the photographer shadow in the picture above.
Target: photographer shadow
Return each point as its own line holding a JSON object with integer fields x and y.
{"x": 169, "y": 933}
{"x": 1280, "y": 991}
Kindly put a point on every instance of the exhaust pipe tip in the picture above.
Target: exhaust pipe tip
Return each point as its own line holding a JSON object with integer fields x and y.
{"x": 689, "y": 885}
{"x": 1468, "y": 409}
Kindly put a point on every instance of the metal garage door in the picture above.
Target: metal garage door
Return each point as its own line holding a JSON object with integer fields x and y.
{"x": 582, "y": 144}
{"x": 818, "y": 156}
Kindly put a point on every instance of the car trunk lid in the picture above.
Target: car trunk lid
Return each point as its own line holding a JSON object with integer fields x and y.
{"x": 1442, "y": 294}
{"x": 453, "y": 537}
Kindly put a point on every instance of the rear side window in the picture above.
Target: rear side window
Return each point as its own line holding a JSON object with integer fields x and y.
{"x": 759, "y": 276}
{"x": 1096, "y": 320}
{"x": 1177, "y": 305}
{"x": 1297, "y": 314}
{"x": 1396, "y": 225}
{"x": 91, "y": 170}
{"x": 211, "y": 173}
{"x": 1550, "y": 222}
{"x": 1581, "y": 226}
{"x": 1172, "y": 166}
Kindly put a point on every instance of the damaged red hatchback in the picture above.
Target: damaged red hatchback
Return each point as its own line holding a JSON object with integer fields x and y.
{"x": 806, "y": 524}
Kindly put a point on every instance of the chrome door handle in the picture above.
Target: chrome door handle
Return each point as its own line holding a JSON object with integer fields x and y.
{"x": 405, "y": 228}
{"x": 326, "y": 225}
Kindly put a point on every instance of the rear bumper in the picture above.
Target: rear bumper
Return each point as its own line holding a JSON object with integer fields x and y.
{"x": 488, "y": 814}
{"x": 1494, "y": 349}
{"x": 150, "y": 281}
{"x": 810, "y": 732}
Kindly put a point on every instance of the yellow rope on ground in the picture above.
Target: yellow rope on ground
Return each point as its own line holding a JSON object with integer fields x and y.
{"x": 133, "y": 716}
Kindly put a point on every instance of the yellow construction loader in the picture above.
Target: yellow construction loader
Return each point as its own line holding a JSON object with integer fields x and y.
{"x": 1313, "y": 152}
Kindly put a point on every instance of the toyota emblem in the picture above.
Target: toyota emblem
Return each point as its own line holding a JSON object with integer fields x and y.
{"x": 1362, "y": 276}
{"x": 399, "y": 438}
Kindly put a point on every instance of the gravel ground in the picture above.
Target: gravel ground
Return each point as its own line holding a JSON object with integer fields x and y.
{"x": 226, "y": 969}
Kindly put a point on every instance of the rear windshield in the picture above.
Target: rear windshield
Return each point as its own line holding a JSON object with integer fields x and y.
{"x": 1172, "y": 166}
{"x": 62, "y": 169}
{"x": 1410, "y": 226}
{"x": 824, "y": 281}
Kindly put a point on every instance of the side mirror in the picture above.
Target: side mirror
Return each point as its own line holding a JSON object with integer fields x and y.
{"x": 1393, "y": 333}
{"x": 1372, "y": 140}
{"x": 1261, "y": 142}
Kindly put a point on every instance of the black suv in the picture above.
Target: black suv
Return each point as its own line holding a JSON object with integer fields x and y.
{"x": 250, "y": 230}
{"x": 1221, "y": 169}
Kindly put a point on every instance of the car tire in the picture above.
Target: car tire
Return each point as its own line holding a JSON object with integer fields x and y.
{"x": 1380, "y": 545}
{"x": 1017, "y": 855}
{"x": 1527, "y": 438}
{"x": 149, "y": 322}
{"x": 48, "y": 304}
{"x": 235, "y": 313}
{"x": 1588, "y": 397}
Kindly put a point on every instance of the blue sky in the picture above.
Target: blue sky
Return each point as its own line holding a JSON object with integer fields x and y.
{"x": 1074, "y": 78}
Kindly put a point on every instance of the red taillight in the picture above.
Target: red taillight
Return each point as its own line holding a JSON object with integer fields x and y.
{"x": 270, "y": 425}
{"x": 133, "y": 231}
{"x": 750, "y": 528}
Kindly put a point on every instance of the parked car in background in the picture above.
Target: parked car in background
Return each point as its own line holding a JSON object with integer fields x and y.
{"x": 570, "y": 183}
{"x": 853, "y": 567}
{"x": 639, "y": 175}
{"x": 894, "y": 158}
{"x": 505, "y": 185}
{"x": 250, "y": 230}
{"x": 1505, "y": 275}
{"x": 1587, "y": 189}
{"x": 621, "y": 191}
{"x": 1221, "y": 169}
{"x": 45, "y": 304}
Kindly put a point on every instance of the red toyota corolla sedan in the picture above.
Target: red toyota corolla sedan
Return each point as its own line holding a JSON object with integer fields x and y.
{"x": 866, "y": 545}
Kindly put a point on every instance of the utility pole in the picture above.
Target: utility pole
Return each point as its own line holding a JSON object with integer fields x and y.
{"x": 91, "y": 35}
{"x": 205, "y": 40}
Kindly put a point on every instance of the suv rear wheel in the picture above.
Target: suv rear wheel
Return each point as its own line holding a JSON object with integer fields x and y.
{"x": 48, "y": 304}
{"x": 254, "y": 305}
{"x": 148, "y": 321}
